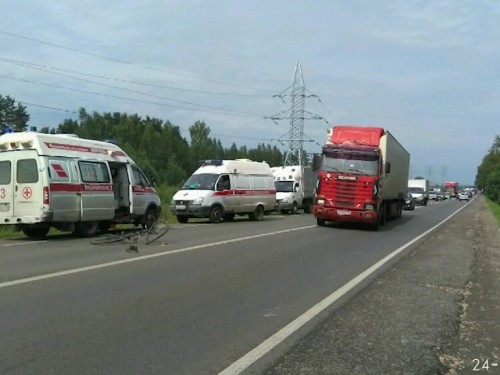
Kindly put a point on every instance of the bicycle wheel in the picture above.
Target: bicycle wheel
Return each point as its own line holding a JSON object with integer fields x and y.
{"x": 157, "y": 230}
{"x": 107, "y": 239}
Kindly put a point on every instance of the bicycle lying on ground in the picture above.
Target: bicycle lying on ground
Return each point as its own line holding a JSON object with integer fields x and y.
{"x": 152, "y": 233}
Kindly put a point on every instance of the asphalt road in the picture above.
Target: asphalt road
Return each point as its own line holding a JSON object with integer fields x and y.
{"x": 193, "y": 305}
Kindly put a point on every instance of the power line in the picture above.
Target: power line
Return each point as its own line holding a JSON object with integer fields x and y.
{"x": 50, "y": 69}
{"x": 48, "y": 107}
{"x": 125, "y": 61}
{"x": 133, "y": 91}
{"x": 75, "y": 112}
{"x": 231, "y": 113}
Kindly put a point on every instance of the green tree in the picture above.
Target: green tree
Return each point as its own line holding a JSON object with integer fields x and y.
{"x": 492, "y": 187}
{"x": 12, "y": 115}
{"x": 489, "y": 163}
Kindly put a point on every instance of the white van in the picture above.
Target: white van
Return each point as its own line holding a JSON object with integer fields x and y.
{"x": 221, "y": 189}
{"x": 73, "y": 184}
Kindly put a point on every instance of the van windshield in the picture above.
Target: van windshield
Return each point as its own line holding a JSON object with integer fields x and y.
{"x": 202, "y": 181}
{"x": 284, "y": 186}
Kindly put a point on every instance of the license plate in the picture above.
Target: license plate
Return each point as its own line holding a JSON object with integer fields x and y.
{"x": 180, "y": 207}
{"x": 4, "y": 207}
{"x": 343, "y": 212}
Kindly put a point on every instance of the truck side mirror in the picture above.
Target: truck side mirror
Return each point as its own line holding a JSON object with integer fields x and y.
{"x": 316, "y": 162}
{"x": 388, "y": 167}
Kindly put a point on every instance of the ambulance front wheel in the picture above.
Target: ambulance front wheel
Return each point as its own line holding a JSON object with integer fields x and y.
{"x": 35, "y": 232}
{"x": 215, "y": 215}
{"x": 182, "y": 219}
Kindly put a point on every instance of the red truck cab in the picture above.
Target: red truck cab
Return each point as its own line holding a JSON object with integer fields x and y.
{"x": 352, "y": 184}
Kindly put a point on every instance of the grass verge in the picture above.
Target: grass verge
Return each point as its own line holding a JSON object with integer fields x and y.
{"x": 495, "y": 208}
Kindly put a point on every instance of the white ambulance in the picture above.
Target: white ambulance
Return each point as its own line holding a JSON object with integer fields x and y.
{"x": 221, "y": 189}
{"x": 73, "y": 184}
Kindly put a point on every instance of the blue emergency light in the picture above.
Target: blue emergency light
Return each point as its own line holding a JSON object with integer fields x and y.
{"x": 32, "y": 129}
{"x": 215, "y": 162}
{"x": 8, "y": 130}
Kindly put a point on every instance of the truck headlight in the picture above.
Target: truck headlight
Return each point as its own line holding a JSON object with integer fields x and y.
{"x": 320, "y": 202}
{"x": 198, "y": 200}
{"x": 369, "y": 207}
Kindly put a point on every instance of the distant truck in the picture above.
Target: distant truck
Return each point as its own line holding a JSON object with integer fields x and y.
{"x": 419, "y": 189}
{"x": 362, "y": 177}
{"x": 452, "y": 188}
{"x": 294, "y": 188}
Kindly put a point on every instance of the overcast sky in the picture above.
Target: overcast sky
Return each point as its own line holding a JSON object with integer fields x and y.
{"x": 426, "y": 70}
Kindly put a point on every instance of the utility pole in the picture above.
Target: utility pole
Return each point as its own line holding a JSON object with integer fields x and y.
{"x": 296, "y": 93}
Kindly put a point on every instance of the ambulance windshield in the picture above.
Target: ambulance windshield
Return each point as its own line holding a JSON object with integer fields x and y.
{"x": 202, "y": 181}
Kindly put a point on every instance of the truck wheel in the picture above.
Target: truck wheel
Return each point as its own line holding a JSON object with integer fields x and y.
{"x": 86, "y": 228}
{"x": 229, "y": 217}
{"x": 307, "y": 208}
{"x": 258, "y": 214}
{"x": 295, "y": 208}
{"x": 321, "y": 222}
{"x": 35, "y": 233}
{"x": 182, "y": 219}
{"x": 383, "y": 217}
{"x": 215, "y": 215}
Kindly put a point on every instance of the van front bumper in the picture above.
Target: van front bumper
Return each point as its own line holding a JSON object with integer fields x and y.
{"x": 283, "y": 205}
{"x": 191, "y": 211}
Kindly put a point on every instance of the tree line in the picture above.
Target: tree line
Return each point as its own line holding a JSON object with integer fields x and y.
{"x": 488, "y": 172}
{"x": 157, "y": 146}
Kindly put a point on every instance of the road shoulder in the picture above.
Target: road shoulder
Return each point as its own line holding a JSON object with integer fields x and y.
{"x": 433, "y": 312}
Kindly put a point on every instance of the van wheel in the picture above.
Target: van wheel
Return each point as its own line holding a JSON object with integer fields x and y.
{"x": 258, "y": 214}
{"x": 182, "y": 219}
{"x": 149, "y": 218}
{"x": 215, "y": 215}
{"x": 229, "y": 217}
{"x": 35, "y": 233}
{"x": 86, "y": 228}
{"x": 295, "y": 208}
{"x": 104, "y": 226}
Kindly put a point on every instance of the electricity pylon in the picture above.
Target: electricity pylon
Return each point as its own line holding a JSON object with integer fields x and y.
{"x": 296, "y": 93}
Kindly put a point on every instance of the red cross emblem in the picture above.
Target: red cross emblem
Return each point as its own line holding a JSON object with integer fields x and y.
{"x": 27, "y": 193}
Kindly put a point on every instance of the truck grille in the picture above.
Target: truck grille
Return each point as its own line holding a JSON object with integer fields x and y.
{"x": 347, "y": 193}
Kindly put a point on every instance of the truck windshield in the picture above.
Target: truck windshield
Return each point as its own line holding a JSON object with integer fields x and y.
{"x": 202, "y": 181}
{"x": 416, "y": 190}
{"x": 350, "y": 163}
{"x": 284, "y": 186}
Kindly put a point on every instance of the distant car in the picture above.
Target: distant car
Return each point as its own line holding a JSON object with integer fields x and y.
{"x": 463, "y": 196}
{"x": 410, "y": 202}
{"x": 433, "y": 195}
{"x": 419, "y": 194}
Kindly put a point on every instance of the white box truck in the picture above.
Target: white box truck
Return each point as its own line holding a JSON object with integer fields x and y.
{"x": 294, "y": 188}
{"x": 419, "y": 189}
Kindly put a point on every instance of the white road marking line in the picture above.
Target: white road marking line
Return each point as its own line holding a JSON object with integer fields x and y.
{"x": 23, "y": 243}
{"x": 144, "y": 257}
{"x": 273, "y": 341}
